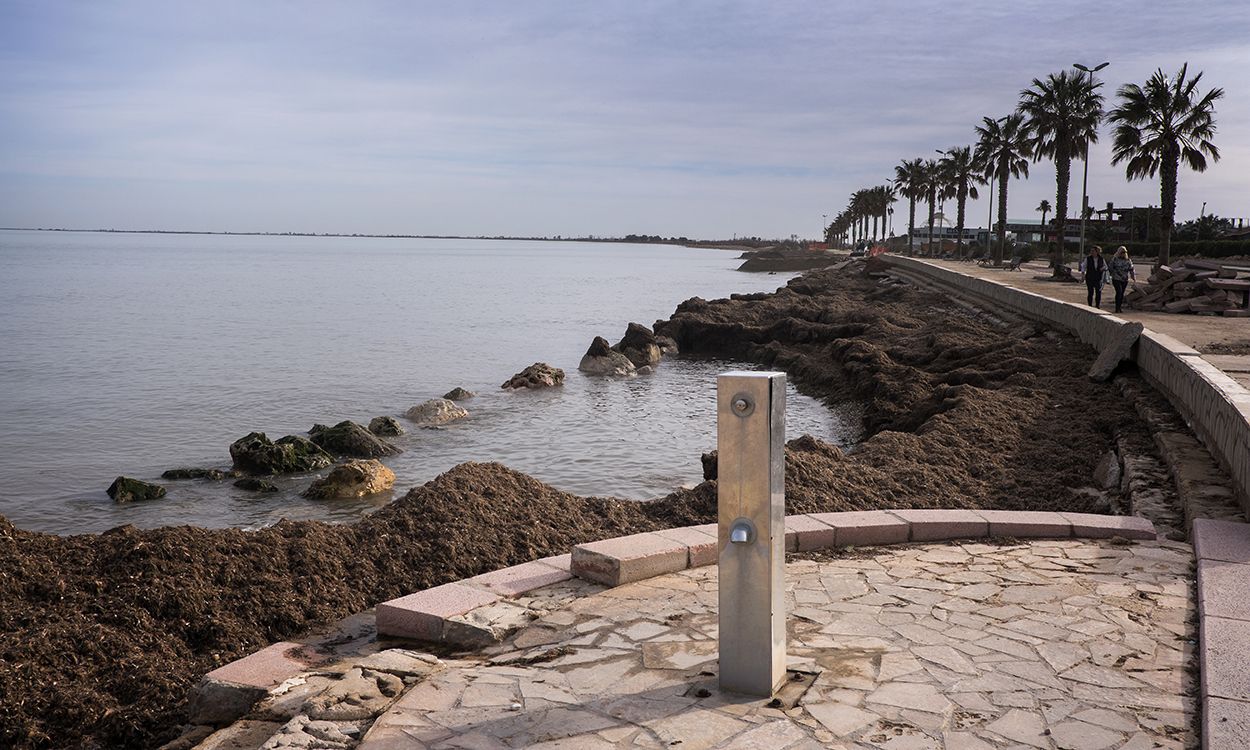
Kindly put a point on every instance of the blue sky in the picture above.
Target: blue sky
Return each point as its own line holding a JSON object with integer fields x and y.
{"x": 677, "y": 118}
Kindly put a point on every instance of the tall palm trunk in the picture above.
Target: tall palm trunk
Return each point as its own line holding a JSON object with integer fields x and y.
{"x": 1063, "y": 176}
{"x": 911, "y": 225}
{"x": 959, "y": 218}
{"x": 932, "y": 202}
{"x": 874, "y": 227}
{"x": 1002, "y": 212}
{"x": 1167, "y": 203}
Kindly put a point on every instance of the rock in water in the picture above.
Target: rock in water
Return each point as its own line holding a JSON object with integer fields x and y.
{"x": 355, "y": 478}
{"x": 125, "y": 490}
{"x": 256, "y": 454}
{"x": 195, "y": 473}
{"x": 666, "y": 344}
{"x": 435, "y": 412}
{"x": 385, "y": 426}
{"x": 537, "y": 375}
{"x": 639, "y": 345}
{"x": 601, "y": 359}
{"x": 252, "y": 484}
{"x": 350, "y": 439}
{"x": 458, "y": 394}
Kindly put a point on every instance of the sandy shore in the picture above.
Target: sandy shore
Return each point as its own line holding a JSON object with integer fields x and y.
{"x": 102, "y": 636}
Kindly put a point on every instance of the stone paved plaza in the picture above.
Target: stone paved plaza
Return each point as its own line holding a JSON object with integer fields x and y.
{"x": 1077, "y": 644}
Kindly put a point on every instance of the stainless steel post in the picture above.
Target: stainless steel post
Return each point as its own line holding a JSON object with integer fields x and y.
{"x": 750, "y": 436}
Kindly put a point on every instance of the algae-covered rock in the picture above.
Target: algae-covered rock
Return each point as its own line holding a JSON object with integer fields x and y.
{"x": 256, "y": 454}
{"x": 385, "y": 426}
{"x": 196, "y": 473}
{"x": 355, "y": 478}
{"x": 537, "y": 375}
{"x": 252, "y": 484}
{"x": 350, "y": 439}
{"x": 435, "y": 412}
{"x": 126, "y": 490}
{"x": 458, "y": 394}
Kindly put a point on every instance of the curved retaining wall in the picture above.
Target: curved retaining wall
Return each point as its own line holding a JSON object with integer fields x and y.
{"x": 1216, "y": 407}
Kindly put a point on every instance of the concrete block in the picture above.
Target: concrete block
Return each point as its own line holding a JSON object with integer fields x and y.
{"x": 1098, "y": 526}
{"x": 519, "y": 579}
{"x": 1117, "y": 349}
{"x": 421, "y": 615}
{"x": 866, "y": 527}
{"x": 270, "y": 666}
{"x": 1026, "y": 523}
{"x": 1223, "y": 667}
{"x": 1225, "y": 724}
{"x": 628, "y": 558}
{"x": 559, "y": 562}
{"x": 803, "y": 533}
{"x": 1224, "y": 589}
{"x": 700, "y": 544}
{"x": 1221, "y": 540}
{"x": 939, "y": 525}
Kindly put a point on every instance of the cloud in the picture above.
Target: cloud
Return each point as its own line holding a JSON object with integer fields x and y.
{"x": 693, "y": 118}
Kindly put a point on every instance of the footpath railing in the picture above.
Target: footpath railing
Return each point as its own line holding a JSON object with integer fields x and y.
{"x": 1216, "y": 407}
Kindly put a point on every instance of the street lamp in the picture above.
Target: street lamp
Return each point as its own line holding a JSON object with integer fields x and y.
{"x": 1085, "y": 181}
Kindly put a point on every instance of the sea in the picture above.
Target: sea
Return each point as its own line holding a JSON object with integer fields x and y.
{"x": 133, "y": 353}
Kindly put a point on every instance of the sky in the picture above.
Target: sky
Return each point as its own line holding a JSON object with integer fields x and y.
{"x": 543, "y": 118}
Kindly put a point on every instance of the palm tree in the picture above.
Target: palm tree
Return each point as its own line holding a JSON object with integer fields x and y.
{"x": 1043, "y": 208}
{"x": 909, "y": 177}
{"x": 1159, "y": 124}
{"x": 1063, "y": 113}
{"x": 1004, "y": 148}
{"x": 881, "y": 198}
{"x": 959, "y": 167}
{"x": 932, "y": 184}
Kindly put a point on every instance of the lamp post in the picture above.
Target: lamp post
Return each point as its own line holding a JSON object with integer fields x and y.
{"x": 1085, "y": 181}
{"x": 941, "y": 212}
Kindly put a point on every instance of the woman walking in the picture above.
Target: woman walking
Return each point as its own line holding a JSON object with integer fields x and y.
{"x": 1094, "y": 266}
{"x": 1121, "y": 269}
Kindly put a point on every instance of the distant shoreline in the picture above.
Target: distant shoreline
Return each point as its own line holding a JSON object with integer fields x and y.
{"x": 734, "y": 244}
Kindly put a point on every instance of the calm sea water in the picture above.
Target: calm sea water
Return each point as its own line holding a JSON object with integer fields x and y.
{"x": 132, "y": 354}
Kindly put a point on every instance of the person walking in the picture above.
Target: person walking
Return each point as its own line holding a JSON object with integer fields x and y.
{"x": 1121, "y": 269}
{"x": 1094, "y": 266}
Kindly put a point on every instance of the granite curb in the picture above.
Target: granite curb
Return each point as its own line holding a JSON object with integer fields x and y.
{"x": 1222, "y": 550}
{"x": 612, "y": 562}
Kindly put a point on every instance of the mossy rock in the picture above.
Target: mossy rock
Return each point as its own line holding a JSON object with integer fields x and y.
{"x": 198, "y": 473}
{"x": 253, "y": 484}
{"x": 126, "y": 490}
{"x": 385, "y": 426}
{"x": 256, "y": 454}
{"x": 350, "y": 439}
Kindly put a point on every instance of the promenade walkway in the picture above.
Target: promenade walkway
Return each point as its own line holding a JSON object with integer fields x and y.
{"x": 1083, "y": 644}
{"x": 1198, "y": 331}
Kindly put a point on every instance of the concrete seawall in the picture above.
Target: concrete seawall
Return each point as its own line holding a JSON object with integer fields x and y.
{"x": 1216, "y": 407}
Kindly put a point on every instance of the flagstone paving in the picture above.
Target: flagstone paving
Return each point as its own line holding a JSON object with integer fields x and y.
{"x": 1074, "y": 645}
